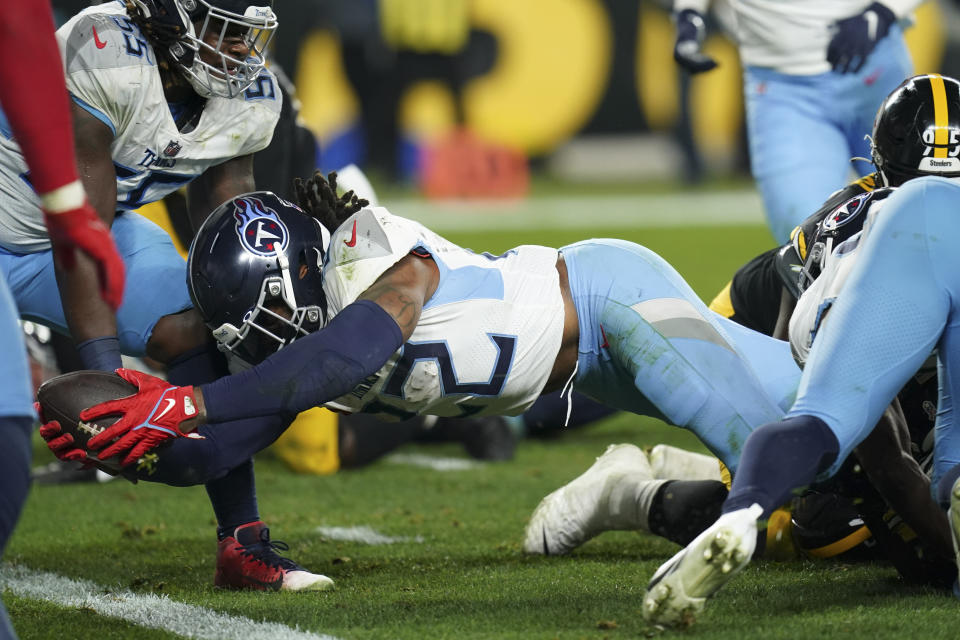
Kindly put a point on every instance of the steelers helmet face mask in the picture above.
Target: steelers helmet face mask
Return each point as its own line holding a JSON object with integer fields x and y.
{"x": 917, "y": 130}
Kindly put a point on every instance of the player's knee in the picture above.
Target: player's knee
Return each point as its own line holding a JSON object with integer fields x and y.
{"x": 945, "y": 485}
{"x": 176, "y": 334}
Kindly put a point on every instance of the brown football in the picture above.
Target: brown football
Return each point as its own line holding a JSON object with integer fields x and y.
{"x": 63, "y": 398}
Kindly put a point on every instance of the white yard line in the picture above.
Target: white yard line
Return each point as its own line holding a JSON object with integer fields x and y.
{"x": 363, "y": 535}
{"x": 692, "y": 208}
{"x": 145, "y": 610}
{"x": 436, "y": 463}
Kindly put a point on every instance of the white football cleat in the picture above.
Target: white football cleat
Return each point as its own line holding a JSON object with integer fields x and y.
{"x": 674, "y": 463}
{"x": 600, "y": 499}
{"x": 680, "y": 587}
{"x": 954, "y": 517}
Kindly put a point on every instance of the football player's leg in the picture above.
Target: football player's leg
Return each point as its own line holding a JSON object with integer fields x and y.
{"x": 798, "y": 155}
{"x": 16, "y": 422}
{"x": 155, "y": 288}
{"x": 893, "y": 311}
{"x": 686, "y": 361}
{"x": 615, "y": 493}
{"x": 650, "y": 346}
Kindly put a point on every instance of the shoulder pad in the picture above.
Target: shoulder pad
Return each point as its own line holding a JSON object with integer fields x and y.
{"x": 359, "y": 237}
{"x": 101, "y": 41}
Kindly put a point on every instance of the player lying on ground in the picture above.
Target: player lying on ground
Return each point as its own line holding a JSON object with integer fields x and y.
{"x": 397, "y": 321}
{"x": 573, "y": 514}
{"x": 898, "y": 304}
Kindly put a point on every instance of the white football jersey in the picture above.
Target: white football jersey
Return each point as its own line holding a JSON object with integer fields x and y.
{"x": 790, "y": 36}
{"x": 111, "y": 72}
{"x": 487, "y": 338}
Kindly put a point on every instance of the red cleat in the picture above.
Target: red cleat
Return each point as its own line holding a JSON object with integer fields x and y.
{"x": 248, "y": 560}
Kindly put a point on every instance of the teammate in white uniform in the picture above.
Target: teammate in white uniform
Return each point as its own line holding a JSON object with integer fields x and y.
{"x": 814, "y": 72}
{"x": 165, "y": 93}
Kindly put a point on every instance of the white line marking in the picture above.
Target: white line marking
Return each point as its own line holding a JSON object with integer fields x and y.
{"x": 145, "y": 610}
{"x": 433, "y": 462}
{"x": 364, "y": 535}
{"x": 697, "y": 208}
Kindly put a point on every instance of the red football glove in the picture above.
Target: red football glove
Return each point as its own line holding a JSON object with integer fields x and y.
{"x": 81, "y": 229}
{"x": 60, "y": 443}
{"x": 150, "y": 416}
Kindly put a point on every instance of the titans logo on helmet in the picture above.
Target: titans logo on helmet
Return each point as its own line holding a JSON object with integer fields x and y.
{"x": 846, "y": 212}
{"x": 260, "y": 230}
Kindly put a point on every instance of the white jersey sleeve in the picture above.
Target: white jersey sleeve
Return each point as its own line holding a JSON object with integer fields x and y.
{"x": 361, "y": 249}
{"x": 486, "y": 339}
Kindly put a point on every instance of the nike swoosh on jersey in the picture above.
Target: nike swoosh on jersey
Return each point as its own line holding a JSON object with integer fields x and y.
{"x": 353, "y": 238}
{"x": 96, "y": 39}
{"x": 170, "y": 403}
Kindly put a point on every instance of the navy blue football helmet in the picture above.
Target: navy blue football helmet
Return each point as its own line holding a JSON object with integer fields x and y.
{"x": 187, "y": 27}
{"x": 255, "y": 274}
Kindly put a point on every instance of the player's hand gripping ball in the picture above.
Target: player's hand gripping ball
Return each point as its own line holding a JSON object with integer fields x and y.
{"x": 61, "y": 399}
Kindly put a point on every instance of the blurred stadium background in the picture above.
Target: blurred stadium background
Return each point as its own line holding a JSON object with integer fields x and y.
{"x": 573, "y": 90}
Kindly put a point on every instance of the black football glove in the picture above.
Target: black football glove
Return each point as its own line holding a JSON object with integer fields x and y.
{"x": 855, "y": 37}
{"x": 691, "y": 30}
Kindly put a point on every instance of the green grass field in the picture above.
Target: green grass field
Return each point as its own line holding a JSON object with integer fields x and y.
{"x": 459, "y": 572}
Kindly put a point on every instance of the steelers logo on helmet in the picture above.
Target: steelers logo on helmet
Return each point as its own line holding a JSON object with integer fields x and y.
{"x": 917, "y": 130}
{"x": 260, "y": 230}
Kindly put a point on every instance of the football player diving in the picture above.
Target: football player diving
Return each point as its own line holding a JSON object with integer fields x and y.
{"x": 365, "y": 311}
{"x": 34, "y": 101}
{"x": 824, "y": 522}
{"x": 164, "y": 93}
{"x": 896, "y": 308}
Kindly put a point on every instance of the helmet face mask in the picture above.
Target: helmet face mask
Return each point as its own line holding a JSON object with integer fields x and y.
{"x": 199, "y": 33}
{"x": 255, "y": 275}
{"x": 212, "y": 71}
{"x": 273, "y": 323}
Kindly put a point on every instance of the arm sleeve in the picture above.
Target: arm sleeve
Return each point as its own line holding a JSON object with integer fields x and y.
{"x": 34, "y": 96}
{"x": 312, "y": 370}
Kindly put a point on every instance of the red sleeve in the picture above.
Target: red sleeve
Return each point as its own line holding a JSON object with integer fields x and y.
{"x": 33, "y": 94}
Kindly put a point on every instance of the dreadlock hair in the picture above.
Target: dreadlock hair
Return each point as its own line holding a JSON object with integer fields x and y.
{"x": 161, "y": 36}
{"x": 318, "y": 197}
